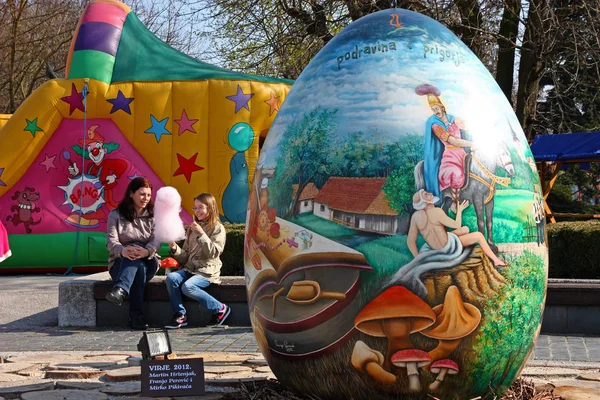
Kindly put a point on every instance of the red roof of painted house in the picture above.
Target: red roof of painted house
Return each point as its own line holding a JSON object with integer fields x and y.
{"x": 308, "y": 193}
{"x": 356, "y": 195}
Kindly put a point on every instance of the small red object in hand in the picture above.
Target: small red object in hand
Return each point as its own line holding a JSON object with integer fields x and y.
{"x": 169, "y": 262}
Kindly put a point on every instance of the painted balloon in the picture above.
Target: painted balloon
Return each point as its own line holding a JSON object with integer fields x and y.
{"x": 406, "y": 256}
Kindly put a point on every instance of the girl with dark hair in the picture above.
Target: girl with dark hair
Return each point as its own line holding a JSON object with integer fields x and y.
{"x": 130, "y": 240}
{"x": 201, "y": 266}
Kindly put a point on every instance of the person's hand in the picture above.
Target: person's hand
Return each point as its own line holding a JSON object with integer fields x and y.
{"x": 129, "y": 253}
{"x": 464, "y": 204}
{"x": 195, "y": 227}
{"x": 173, "y": 246}
{"x": 140, "y": 252}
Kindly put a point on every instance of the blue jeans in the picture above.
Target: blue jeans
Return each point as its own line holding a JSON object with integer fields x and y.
{"x": 132, "y": 276}
{"x": 192, "y": 286}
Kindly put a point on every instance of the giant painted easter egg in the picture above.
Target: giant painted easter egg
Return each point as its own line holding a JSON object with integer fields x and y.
{"x": 395, "y": 241}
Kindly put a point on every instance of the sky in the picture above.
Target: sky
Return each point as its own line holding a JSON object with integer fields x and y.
{"x": 377, "y": 91}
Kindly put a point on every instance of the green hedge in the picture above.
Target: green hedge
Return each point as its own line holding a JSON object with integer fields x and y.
{"x": 574, "y": 250}
{"x": 233, "y": 254}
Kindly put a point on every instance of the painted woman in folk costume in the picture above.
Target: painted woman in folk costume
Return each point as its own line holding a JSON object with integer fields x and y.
{"x": 444, "y": 158}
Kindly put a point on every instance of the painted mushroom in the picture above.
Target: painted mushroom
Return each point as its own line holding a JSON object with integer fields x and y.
{"x": 442, "y": 367}
{"x": 455, "y": 320}
{"x": 395, "y": 314}
{"x": 412, "y": 360}
{"x": 365, "y": 359}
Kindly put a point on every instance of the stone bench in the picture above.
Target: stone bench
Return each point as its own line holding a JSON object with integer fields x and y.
{"x": 81, "y": 302}
{"x": 572, "y": 306}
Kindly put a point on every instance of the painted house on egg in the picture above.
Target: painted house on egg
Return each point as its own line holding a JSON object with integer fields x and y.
{"x": 358, "y": 203}
{"x": 306, "y": 201}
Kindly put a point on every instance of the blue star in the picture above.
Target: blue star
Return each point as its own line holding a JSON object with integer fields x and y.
{"x": 135, "y": 175}
{"x": 158, "y": 128}
{"x": 2, "y": 183}
{"x": 241, "y": 99}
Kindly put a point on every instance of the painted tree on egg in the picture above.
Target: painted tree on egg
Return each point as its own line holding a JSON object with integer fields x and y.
{"x": 304, "y": 150}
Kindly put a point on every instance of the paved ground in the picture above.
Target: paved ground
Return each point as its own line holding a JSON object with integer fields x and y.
{"x": 550, "y": 348}
{"x": 29, "y": 319}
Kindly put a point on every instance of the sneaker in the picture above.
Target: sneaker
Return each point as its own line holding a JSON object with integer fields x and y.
{"x": 223, "y": 314}
{"x": 179, "y": 320}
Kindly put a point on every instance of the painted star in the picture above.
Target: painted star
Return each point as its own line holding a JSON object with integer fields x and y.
{"x": 120, "y": 103}
{"x": 273, "y": 102}
{"x": 241, "y": 99}
{"x": 49, "y": 162}
{"x": 158, "y": 128}
{"x": 32, "y": 127}
{"x": 187, "y": 166}
{"x": 185, "y": 124}
{"x": 135, "y": 175}
{"x": 2, "y": 183}
{"x": 75, "y": 100}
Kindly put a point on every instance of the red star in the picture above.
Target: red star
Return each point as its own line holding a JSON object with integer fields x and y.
{"x": 187, "y": 166}
{"x": 75, "y": 100}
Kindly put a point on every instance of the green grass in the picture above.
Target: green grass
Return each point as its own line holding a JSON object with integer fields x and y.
{"x": 321, "y": 226}
{"x": 511, "y": 209}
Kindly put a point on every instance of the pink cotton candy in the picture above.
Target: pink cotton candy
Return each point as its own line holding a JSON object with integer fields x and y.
{"x": 168, "y": 224}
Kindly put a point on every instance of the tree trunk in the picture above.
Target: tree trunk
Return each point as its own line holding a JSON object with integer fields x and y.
{"x": 509, "y": 28}
{"x": 470, "y": 15}
{"x": 531, "y": 66}
{"x": 476, "y": 278}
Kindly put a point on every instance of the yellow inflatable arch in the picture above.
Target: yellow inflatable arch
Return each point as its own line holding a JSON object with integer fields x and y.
{"x": 130, "y": 106}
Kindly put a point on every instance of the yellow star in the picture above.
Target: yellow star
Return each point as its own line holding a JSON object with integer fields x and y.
{"x": 273, "y": 102}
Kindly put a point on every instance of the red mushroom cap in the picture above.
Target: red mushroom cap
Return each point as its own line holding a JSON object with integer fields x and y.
{"x": 169, "y": 262}
{"x": 450, "y": 365}
{"x": 402, "y": 357}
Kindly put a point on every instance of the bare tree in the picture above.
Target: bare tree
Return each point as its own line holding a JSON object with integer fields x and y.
{"x": 32, "y": 34}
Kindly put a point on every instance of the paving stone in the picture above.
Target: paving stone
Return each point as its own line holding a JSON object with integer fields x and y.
{"x": 210, "y": 357}
{"x": 14, "y": 367}
{"x": 237, "y": 375}
{"x": 221, "y": 369}
{"x": 83, "y": 365}
{"x": 46, "y": 359}
{"x": 576, "y": 393}
{"x": 155, "y": 398}
{"x": 12, "y": 378}
{"x": 134, "y": 361}
{"x": 577, "y": 383}
{"x": 81, "y": 374}
{"x": 107, "y": 358}
{"x": 36, "y": 370}
{"x": 122, "y": 388}
{"x": 124, "y": 374}
{"x": 257, "y": 361}
{"x": 64, "y": 394}
{"x": 237, "y": 381}
{"x": 593, "y": 376}
{"x": 79, "y": 385}
{"x": 11, "y": 390}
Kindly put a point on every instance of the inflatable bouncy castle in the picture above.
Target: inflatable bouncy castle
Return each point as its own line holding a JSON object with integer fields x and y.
{"x": 130, "y": 106}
